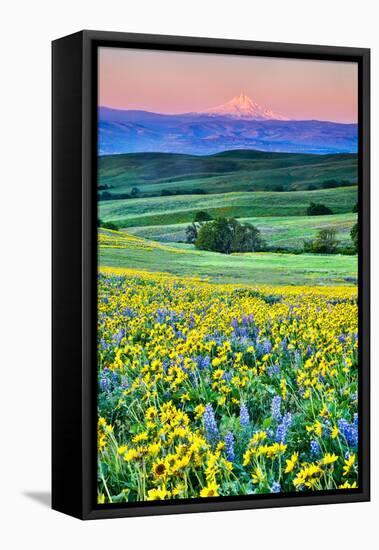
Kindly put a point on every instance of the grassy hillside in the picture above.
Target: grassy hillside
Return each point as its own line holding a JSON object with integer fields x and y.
{"x": 242, "y": 170}
{"x": 118, "y": 249}
{"x": 182, "y": 209}
{"x": 288, "y": 232}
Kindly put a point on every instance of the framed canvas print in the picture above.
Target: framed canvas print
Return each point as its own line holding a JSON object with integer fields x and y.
{"x": 210, "y": 274}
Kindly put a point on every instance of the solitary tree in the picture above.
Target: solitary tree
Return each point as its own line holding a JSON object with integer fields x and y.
{"x": 325, "y": 241}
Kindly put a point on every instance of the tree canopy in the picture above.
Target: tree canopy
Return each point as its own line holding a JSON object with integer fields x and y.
{"x": 228, "y": 235}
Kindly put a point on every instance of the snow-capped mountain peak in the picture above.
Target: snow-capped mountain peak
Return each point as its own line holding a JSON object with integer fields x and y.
{"x": 242, "y": 106}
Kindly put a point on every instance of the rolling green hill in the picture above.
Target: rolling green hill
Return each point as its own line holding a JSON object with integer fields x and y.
{"x": 164, "y": 173}
{"x": 287, "y": 232}
{"x": 182, "y": 209}
{"x": 118, "y": 249}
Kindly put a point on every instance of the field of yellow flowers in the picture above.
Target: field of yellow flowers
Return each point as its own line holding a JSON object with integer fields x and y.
{"x": 208, "y": 390}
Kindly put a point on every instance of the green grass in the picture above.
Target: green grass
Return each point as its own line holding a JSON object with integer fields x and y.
{"x": 182, "y": 209}
{"x": 256, "y": 268}
{"x": 288, "y": 232}
{"x": 223, "y": 172}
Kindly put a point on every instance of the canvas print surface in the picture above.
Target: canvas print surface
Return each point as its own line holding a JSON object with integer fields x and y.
{"x": 227, "y": 276}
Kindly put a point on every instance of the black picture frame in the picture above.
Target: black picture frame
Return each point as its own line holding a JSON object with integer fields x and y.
{"x": 74, "y": 267}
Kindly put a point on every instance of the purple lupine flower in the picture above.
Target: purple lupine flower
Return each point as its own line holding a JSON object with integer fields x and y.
{"x": 120, "y": 335}
{"x": 349, "y": 431}
{"x": 266, "y": 346}
{"x": 272, "y": 371}
{"x": 275, "y": 487}
{"x": 281, "y": 430}
{"x": 244, "y": 415}
{"x": 315, "y": 448}
{"x": 227, "y": 376}
{"x": 229, "y": 447}
{"x": 105, "y": 384}
{"x": 103, "y": 344}
{"x": 211, "y": 429}
{"x": 275, "y": 408}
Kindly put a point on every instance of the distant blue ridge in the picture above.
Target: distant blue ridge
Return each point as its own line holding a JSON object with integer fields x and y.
{"x": 199, "y": 134}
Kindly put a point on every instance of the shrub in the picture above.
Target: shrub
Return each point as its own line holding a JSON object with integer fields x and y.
{"x": 354, "y": 236}
{"x": 108, "y": 225}
{"x": 202, "y": 216}
{"x": 315, "y": 209}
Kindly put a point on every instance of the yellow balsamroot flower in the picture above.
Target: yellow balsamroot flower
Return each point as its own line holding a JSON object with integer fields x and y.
{"x": 218, "y": 374}
{"x": 291, "y": 463}
{"x": 257, "y": 437}
{"x": 283, "y": 387}
{"x": 271, "y": 451}
{"x": 324, "y": 412}
{"x": 199, "y": 411}
{"x": 101, "y": 498}
{"x": 143, "y": 436}
{"x": 315, "y": 428}
{"x": 349, "y": 463}
{"x": 308, "y": 476}
{"x": 178, "y": 490}
{"x": 257, "y": 475}
{"x": 211, "y": 490}
{"x": 103, "y": 431}
{"x": 185, "y": 397}
{"x": 160, "y": 493}
{"x": 348, "y": 485}
{"x": 130, "y": 455}
{"x": 335, "y": 432}
{"x": 247, "y": 456}
{"x": 328, "y": 459}
{"x": 160, "y": 469}
{"x": 150, "y": 413}
{"x": 154, "y": 448}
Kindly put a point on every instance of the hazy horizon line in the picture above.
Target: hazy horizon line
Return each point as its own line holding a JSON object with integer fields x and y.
{"x": 210, "y": 115}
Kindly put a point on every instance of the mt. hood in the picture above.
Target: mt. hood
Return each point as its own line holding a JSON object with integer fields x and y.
{"x": 242, "y": 106}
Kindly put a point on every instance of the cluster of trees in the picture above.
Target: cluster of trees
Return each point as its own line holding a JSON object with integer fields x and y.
{"x": 107, "y": 196}
{"x": 225, "y": 235}
{"x": 173, "y": 192}
{"x": 135, "y": 193}
{"x": 330, "y": 184}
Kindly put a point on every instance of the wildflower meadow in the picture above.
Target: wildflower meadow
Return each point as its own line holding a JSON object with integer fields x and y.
{"x": 208, "y": 390}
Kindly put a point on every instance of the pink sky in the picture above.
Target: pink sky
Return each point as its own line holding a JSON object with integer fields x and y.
{"x": 176, "y": 82}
